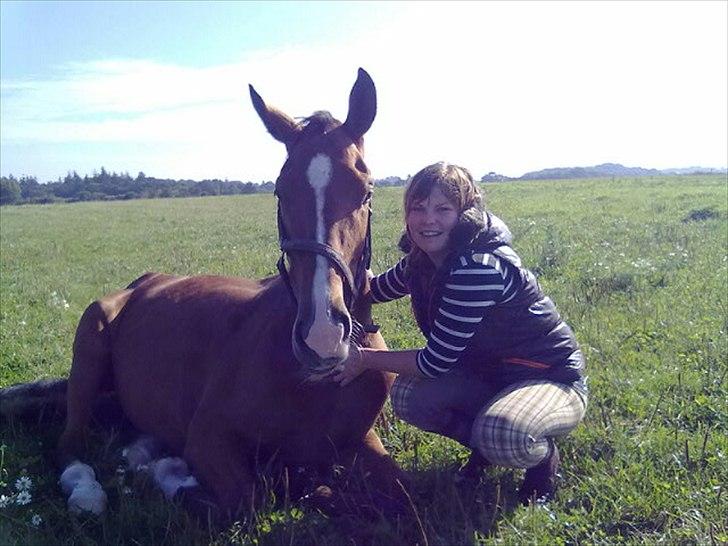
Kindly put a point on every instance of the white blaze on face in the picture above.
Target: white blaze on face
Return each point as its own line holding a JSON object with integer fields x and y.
{"x": 324, "y": 337}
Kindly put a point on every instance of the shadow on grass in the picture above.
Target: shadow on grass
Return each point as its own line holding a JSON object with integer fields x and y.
{"x": 440, "y": 511}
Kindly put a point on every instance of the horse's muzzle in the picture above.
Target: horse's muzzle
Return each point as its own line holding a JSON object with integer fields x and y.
{"x": 312, "y": 363}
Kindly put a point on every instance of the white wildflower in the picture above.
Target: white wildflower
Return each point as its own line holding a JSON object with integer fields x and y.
{"x": 23, "y": 498}
{"x": 23, "y": 483}
{"x": 126, "y": 491}
{"x": 36, "y": 520}
{"x": 5, "y": 500}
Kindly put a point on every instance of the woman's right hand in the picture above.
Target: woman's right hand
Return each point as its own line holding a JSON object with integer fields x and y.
{"x": 351, "y": 368}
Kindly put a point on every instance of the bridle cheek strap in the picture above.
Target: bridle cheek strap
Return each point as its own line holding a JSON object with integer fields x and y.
{"x": 353, "y": 284}
{"x": 322, "y": 249}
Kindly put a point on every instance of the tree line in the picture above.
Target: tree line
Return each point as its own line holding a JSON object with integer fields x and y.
{"x": 105, "y": 186}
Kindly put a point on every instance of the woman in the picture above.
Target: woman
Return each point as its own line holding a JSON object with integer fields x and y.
{"x": 501, "y": 373}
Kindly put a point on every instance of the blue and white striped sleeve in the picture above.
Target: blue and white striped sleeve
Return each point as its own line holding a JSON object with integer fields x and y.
{"x": 390, "y": 285}
{"x": 477, "y": 284}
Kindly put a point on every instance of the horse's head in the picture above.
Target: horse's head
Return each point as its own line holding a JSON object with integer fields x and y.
{"x": 323, "y": 194}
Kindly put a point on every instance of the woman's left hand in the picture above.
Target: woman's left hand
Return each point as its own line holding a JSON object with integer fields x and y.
{"x": 351, "y": 368}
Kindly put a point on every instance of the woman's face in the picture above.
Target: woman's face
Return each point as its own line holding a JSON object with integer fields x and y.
{"x": 430, "y": 222}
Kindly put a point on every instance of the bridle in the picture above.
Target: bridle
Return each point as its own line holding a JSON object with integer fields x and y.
{"x": 353, "y": 283}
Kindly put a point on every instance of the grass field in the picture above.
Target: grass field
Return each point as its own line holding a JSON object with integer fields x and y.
{"x": 638, "y": 267}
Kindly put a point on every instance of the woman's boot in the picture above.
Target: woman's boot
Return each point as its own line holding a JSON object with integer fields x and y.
{"x": 472, "y": 470}
{"x": 540, "y": 481}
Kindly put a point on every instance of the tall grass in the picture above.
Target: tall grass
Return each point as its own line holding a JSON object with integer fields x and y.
{"x": 638, "y": 267}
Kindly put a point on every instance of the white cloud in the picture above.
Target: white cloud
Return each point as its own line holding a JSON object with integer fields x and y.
{"x": 494, "y": 86}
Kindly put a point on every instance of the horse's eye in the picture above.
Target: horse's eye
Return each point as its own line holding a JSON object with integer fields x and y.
{"x": 361, "y": 166}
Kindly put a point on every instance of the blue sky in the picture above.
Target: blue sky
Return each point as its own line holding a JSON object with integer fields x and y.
{"x": 161, "y": 87}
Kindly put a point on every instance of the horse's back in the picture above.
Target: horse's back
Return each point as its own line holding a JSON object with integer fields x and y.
{"x": 167, "y": 338}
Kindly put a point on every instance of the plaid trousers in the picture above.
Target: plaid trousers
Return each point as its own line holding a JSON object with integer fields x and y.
{"x": 510, "y": 427}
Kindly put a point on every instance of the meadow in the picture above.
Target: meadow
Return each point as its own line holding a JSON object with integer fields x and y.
{"x": 638, "y": 267}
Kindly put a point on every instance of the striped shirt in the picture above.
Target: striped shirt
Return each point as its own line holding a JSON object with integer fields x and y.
{"x": 477, "y": 282}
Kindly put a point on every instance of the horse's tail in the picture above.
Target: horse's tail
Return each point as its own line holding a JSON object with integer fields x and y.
{"x": 43, "y": 399}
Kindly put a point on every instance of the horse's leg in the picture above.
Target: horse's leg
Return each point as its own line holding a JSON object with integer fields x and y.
{"x": 90, "y": 371}
{"x": 389, "y": 483}
{"x": 218, "y": 462}
{"x": 385, "y": 473}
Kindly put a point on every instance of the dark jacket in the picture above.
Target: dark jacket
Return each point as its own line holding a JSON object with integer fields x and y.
{"x": 524, "y": 338}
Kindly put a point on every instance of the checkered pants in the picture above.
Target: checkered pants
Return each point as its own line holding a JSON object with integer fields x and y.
{"x": 512, "y": 427}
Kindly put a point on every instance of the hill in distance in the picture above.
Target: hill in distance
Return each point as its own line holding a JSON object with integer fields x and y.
{"x": 612, "y": 170}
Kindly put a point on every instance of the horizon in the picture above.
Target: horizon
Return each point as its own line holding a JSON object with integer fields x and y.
{"x": 698, "y": 170}
{"x": 162, "y": 87}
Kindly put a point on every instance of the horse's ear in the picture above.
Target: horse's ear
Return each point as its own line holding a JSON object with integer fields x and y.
{"x": 362, "y": 106}
{"x": 281, "y": 127}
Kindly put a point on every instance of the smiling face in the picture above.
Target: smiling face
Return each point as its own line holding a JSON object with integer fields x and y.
{"x": 430, "y": 221}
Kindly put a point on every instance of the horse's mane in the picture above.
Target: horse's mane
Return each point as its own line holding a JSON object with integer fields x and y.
{"x": 318, "y": 123}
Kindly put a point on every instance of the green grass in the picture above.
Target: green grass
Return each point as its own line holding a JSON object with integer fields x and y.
{"x": 638, "y": 267}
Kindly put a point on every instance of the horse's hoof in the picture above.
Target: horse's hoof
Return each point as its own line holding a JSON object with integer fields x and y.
{"x": 87, "y": 496}
{"x": 171, "y": 474}
{"x": 141, "y": 452}
{"x": 322, "y": 498}
{"x": 85, "y": 493}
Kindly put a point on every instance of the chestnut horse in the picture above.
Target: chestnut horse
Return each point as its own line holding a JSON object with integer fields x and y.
{"x": 221, "y": 370}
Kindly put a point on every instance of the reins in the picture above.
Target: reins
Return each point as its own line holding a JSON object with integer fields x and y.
{"x": 353, "y": 283}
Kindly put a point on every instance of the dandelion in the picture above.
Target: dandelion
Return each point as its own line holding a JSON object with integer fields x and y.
{"x": 5, "y": 500}
{"x": 23, "y": 483}
{"x": 23, "y": 498}
{"x": 36, "y": 520}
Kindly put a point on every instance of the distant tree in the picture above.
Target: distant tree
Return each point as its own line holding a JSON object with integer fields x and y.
{"x": 9, "y": 190}
{"x": 493, "y": 177}
{"x": 390, "y": 181}
{"x": 267, "y": 187}
{"x": 30, "y": 190}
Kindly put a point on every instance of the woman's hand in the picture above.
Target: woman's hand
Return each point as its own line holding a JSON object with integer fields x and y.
{"x": 351, "y": 368}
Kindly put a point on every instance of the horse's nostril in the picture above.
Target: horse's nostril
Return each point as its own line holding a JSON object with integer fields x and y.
{"x": 342, "y": 318}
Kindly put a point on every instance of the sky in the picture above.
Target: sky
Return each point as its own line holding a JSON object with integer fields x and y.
{"x": 161, "y": 87}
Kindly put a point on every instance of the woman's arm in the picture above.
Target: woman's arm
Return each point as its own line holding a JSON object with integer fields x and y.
{"x": 360, "y": 360}
{"x": 389, "y": 285}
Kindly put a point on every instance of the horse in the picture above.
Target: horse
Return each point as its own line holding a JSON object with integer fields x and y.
{"x": 221, "y": 371}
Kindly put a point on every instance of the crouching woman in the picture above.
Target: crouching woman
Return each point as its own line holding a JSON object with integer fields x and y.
{"x": 501, "y": 372}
